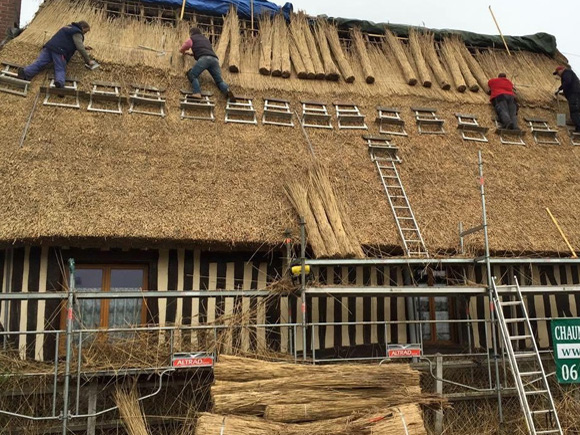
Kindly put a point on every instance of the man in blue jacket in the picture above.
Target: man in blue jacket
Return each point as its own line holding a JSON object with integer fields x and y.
{"x": 571, "y": 88}
{"x": 58, "y": 51}
{"x": 206, "y": 59}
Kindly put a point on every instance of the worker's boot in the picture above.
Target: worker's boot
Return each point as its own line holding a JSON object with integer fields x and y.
{"x": 196, "y": 96}
{"x": 231, "y": 95}
{"x": 21, "y": 74}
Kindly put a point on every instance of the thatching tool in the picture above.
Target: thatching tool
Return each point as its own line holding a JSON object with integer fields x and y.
{"x": 562, "y": 233}
{"x": 93, "y": 66}
{"x": 499, "y": 30}
{"x": 560, "y": 117}
{"x": 159, "y": 52}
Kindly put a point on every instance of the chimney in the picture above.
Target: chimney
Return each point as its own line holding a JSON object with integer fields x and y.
{"x": 9, "y": 16}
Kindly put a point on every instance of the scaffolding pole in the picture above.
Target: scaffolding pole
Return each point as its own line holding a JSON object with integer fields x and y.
{"x": 69, "y": 328}
{"x": 303, "y": 282}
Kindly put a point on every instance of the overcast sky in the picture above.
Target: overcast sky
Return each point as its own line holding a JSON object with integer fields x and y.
{"x": 516, "y": 17}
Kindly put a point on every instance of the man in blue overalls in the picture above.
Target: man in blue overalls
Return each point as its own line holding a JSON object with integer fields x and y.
{"x": 58, "y": 51}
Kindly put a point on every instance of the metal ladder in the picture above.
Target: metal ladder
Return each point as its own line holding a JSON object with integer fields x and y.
{"x": 532, "y": 384}
{"x": 409, "y": 232}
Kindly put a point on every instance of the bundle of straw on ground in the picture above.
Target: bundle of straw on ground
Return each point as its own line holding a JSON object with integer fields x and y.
{"x": 427, "y": 43}
{"x": 130, "y": 412}
{"x": 234, "y": 58}
{"x": 453, "y": 66}
{"x": 363, "y": 55}
{"x": 266, "y": 38}
{"x": 334, "y": 44}
{"x": 224, "y": 41}
{"x": 456, "y": 46}
{"x": 395, "y": 47}
{"x": 330, "y": 70}
{"x": 298, "y": 28}
{"x": 417, "y": 53}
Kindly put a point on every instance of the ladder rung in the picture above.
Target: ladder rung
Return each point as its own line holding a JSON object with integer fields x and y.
{"x": 548, "y": 431}
{"x": 405, "y": 218}
{"x": 533, "y": 393}
{"x": 401, "y": 206}
{"x": 530, "y": 373}
{"x": 408, "y": 229}
{"x": 524, "y": 354}
{"x": 510, "y": 303}
{"x": 413, "y": 240}
{"x": 520, "y": 337}
{"x": 542, "y": 411}
{"x": 517, "y": 319}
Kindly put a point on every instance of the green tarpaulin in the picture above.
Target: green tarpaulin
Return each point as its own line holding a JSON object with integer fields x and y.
{"x": 538, "y": 43}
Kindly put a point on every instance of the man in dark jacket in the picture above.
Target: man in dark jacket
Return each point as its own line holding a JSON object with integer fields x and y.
{"x": 206, "y": 59}
{"x": 58, "y": 51}
{"x": 503, "y": 98}
{"x": 571, "y": 88}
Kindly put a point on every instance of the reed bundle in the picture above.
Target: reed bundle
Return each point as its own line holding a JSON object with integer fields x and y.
{"x": 130, "y": 412}
{"x": 224, "y": 41}
{"x": 266, "y": 38}
{"x": 427, "y": 43}
{"x": 475, "y": 67}
{"x": 280, "y": 48}
{"x": 330, "y": 70}
{"x": 297, "y": 61}
{"x": 417, "y": 54}
{"x": 363, "y": 55}
{"x": 401, "y": 57}
{"x": 213, "y": 424}
{"x": 313, "y": 50}
{"x": 298, "y": 196}
{"x": 451, "y": 59}
{"x": 348, "y": 243}
{"x": 334, "y": 44}
{"x": 322, "y": 220}
{"x": 298, "y": 27}
{"x": 234, "y": 58}
{"x": 456, "y": 45}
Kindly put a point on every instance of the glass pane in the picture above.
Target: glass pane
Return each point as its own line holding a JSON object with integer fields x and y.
{"x": 125, "y": 312}
{"x": 89, "y": 311}
{"x": 425, "y": 315}
{"x": 442, "y": 313}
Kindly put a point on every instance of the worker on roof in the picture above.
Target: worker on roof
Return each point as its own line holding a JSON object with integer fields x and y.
{"x": 571, "y": 88}
{"x": 503, "y": 99}
{"x": 58, "y": 51}
{"x": 206, "y": 59}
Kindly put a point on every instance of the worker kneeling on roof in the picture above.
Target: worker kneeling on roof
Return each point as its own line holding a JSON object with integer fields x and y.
{"x": 504, "y": 101}
{"x": 58, "y": 51}
{"x": 206, "y": 59}
{"x": 571, "y": 88}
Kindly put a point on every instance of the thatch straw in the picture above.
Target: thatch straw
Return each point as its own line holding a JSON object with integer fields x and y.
{"x": 475, "y": 67}
{"x": 334, "y": 43}
{"x": 130, "y": 412}
{"x": 277, "y": 45}
{"x": 321, "y": 181}
{"x": 402, "y": 60}
{"x": 323, "y": 223}
{"x": 298, "y": 196}
{"x": 297, "y": 61}
{"x": 450, "y": 57}
{"x": 298, "y": 26}
{"x": 456, "y": 45}
{"x": 417, "y": 53}
{"x": 330, "y": 70}
{"x": 266, "y": 37}
{"x": 427, "y": 42}
{"x": 234, "y": 58}
{"x": 313, "y": 50}
{"x": 224, "y": 41}
{"x": 212, "y": 424}
{"x": 363, "y": 55}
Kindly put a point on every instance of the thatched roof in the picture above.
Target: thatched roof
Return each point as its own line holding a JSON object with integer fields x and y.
{"x": 141, "y": 178}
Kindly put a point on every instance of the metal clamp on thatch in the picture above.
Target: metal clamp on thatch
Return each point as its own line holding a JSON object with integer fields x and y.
{"x": 277, "y": 112}
{"x": 470, "y": 128}
{"x": 9, "y": 81}
{"x": 390, "y": 121}
{"x": 349, "y": 116}
{"x": 427, "y": 121}
{"x": 70, "y": 89}
{"x": 147, "y": 100}
{"x": 241, "y": 110}
{"x": 542, "y": 132}
{"x": 315, "y": 115}
{"x": 105, "y": 97}
{"x": 384, "y": 156}
{"x": 197, "y": 108}
{"x": 508, "y": 136}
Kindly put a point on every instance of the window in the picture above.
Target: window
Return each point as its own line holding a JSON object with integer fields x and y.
{"x": 110, "y": 313}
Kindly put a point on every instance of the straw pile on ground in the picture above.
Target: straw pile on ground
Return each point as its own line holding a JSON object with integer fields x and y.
{"x": 259, "y": 397}
{"x": 329, "y": 231}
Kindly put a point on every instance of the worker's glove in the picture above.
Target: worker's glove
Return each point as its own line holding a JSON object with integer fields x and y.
{"x": 92, "y": 62}
{"x": 556, "y": 93}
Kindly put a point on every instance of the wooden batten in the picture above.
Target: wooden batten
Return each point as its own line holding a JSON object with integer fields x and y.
{"x": 399, "y": 53}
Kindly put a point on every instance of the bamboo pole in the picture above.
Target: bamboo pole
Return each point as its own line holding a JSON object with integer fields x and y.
{"x": 499, "y": 30}
{"x": 182, "y": 10}
{"x": 562, "y": 233}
